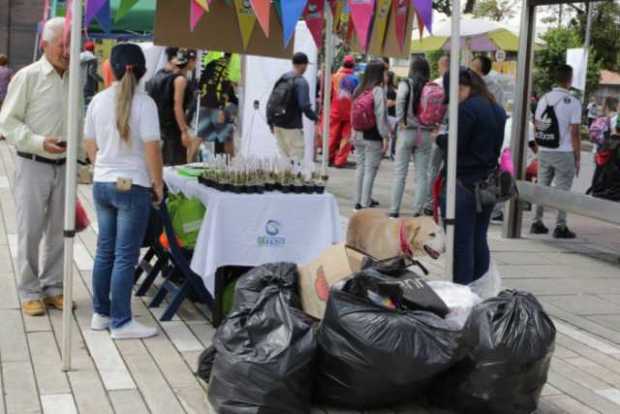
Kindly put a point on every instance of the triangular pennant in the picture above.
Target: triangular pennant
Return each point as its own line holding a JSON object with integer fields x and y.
{"x": 93, "y": 7}
{"x": 68, "y": 18}
{"x": 314, "y": 18}
{"x": 204, "y": 4}
{"x": 337, "y": 10}
{"x": 401, "y": 12}
{"x": 247, "y": 20}
{"x": 291, "y": 11}
{"x": 382, "y": 17}
{"x": 277, "y": 4}
{"x": 361, "y": 14}
{"x": 262, "y": 8}
{"x": 104, "y": 18}
{"x": 123, "y": 9}
{"x": 424, "y": 9}
{"x": 195, "y": 13}
{"x": 420, "y": 23}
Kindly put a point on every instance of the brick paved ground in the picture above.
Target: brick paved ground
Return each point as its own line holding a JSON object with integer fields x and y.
{"x": 579, "y": 282}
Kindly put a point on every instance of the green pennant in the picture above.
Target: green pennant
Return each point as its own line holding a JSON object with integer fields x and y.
{"x": 123, "y": 9}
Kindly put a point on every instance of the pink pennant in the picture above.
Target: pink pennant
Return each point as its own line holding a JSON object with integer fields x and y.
{"x": 401, "y": 12}
{"x": 68, "y": 18}
{"x": 314, "y": 20}
{"x": 262, "y": 9}
{"x": 362, "y": 12}
{"x": 195, "y": 14}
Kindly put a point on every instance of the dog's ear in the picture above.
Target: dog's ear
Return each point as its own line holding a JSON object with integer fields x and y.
{"x": 413, "y": 229}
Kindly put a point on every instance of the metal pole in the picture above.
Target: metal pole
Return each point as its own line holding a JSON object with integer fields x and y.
{"x": 520, "y": 115}
{"x": 327, "y": 84}
{"x": 73, "y": 121}
{"x": 455, "y": 63}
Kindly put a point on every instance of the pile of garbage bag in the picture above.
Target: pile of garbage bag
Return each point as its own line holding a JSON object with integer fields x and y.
{"x": 510, "y": 341}
{"x": 387, "y": 337}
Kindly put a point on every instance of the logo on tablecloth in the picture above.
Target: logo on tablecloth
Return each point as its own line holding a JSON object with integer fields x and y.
{"x": 271, "y": 239}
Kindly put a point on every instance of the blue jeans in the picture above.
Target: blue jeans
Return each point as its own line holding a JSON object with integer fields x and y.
{"x": 122, "y": 218}
{"x": 472, "y": 257}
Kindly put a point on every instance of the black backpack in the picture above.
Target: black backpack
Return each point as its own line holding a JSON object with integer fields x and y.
{"x": 606, "y": 179}
{"x": 548, "y": 128}
{"x": 282, "y": 101}
{"x": 161, "y": 88}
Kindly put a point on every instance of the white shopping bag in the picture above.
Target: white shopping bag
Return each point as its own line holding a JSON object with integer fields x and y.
{"x": 489, "y": 285}
{"x": 459, "y": 299}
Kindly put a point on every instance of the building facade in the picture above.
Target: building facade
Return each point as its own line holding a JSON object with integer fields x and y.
{"x": 18, "y": 29}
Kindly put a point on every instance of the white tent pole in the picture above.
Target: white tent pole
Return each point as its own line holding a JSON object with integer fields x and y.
{"x": 586, "y": 45}
{"x": 327, "y": 83}
{"x": 73, "y": 122}
{"x": 455, "y": 46}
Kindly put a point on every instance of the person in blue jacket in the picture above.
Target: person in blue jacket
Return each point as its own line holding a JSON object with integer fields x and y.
{"x": 480, "y": 136}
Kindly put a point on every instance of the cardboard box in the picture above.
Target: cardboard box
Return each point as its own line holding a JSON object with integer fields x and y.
{"x": 333, "y": 265}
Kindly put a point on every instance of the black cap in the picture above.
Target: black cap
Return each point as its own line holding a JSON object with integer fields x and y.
{"x": 300, "y": 58}
{"x": 127, "y": 55}
{"x": 183, "y": 56}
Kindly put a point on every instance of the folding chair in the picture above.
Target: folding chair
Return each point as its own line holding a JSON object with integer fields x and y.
{"x": 151, "y": 241}
{"x": 190, "y": 283}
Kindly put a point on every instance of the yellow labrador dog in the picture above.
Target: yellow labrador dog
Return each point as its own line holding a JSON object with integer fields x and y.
{"x": 371, "y": 232}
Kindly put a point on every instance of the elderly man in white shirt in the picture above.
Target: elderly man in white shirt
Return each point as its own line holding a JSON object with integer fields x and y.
{"x": 483, "y": 66}
{"x": 33, "y": 119}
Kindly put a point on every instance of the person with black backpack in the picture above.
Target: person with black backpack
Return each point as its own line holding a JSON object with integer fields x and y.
{"x": 289, "y": 100}
{"x": 170, "y": 89}
{"x": 557, "y": 122}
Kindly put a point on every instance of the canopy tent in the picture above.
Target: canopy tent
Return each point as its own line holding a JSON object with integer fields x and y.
{"x": 478, "y": 35}
{"x": 172, "y": 19}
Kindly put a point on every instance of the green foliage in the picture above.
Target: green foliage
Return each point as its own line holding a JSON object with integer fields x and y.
{"x": 497, "y": 10}
{"x": 433, "y": 57}
{"x": 554, "y": 54}
{"x": 605, "y": 32}
{"x": 445, "y": 6}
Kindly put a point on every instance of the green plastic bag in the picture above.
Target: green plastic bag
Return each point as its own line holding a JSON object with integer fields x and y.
{"x": 186, "y": 215}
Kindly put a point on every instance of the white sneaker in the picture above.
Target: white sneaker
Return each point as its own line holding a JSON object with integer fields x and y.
{"x": 99, "y": 322}
{"x": 133, "y": 330}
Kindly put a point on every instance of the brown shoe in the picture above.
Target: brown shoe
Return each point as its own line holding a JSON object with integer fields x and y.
{"x": 57, "y": 302}
{"x": 34, "y": 307}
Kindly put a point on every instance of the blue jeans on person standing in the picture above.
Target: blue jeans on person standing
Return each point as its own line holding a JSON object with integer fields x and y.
{"x": 122, "y": 218}
{"x": 472, "y": 257}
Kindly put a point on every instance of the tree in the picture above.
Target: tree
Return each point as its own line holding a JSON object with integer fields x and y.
{"x": 605, "y": 32}
{"x": 445, "y": 6}
{"x": 554, "y": 54}
{"x": 497, "y": 10}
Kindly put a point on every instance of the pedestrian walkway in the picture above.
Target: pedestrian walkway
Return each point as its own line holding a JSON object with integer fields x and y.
{"x": 581, "y": 290}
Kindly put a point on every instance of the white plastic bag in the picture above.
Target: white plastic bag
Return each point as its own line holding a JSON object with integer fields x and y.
{"x": 489, "y": 285}
{"x": 459, "y": 299}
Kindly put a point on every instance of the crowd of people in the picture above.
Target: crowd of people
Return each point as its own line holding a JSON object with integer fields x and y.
{"x": 130, "y": 133}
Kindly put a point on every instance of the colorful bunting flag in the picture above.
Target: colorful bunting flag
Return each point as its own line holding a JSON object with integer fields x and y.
{"x": 424, "y": 9}
{"x": 124, "y": 8}
{"x": 262, "y": 9}
{"x": 382, "y": 17}
{"x": 93, "y": 7}
{"x": 291, "y": 11}
{"x": 401, "y": 12}
{"x": 104, "y": 18}
{"x": 247, "y": 20}
{"x": 195, "y": 14}
{"x": 361, "y": 13}
{"x": 204, "y": 4}
{"x": 68, "y": 18}
{"x": 314, "y": 18}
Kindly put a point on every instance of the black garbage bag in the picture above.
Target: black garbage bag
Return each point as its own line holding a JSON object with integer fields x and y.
{"x": 510, "y": 340}
{"x": 205, "y": 363}
{"x": 375, "y": 356}
{"x": 250, "y": 286}
{"x": 265, "y": 359}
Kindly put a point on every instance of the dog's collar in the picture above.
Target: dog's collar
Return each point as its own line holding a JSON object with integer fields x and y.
{"x": 405, "y": 246}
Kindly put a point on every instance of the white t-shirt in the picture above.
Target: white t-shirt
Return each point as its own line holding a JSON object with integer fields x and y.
{"x": 115, "y": 158}
{"x": 568, "y": 112}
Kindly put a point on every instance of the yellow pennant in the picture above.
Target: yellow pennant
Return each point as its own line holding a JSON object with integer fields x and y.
{"x": 247, "y": 20}
{"x": 382, "y": 17}
{"x": 203, "y": 3}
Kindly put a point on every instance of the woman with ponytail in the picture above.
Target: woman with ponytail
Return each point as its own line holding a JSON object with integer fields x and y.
{"x": 122, "y": 139}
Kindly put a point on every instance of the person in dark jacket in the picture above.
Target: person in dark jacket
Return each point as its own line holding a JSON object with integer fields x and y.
{"x": 290, "y": 134}
{"x": 480, "y": 136}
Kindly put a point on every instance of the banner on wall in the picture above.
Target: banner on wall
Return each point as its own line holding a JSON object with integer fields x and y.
{"x": 314, "y": 18}
{"x": 362, "y": 13}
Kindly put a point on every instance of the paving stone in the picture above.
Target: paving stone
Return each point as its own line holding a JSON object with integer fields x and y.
{"x": 583, "y": 304}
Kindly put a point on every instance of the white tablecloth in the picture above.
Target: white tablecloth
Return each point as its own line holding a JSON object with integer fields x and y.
{"x": 253, "y": 229}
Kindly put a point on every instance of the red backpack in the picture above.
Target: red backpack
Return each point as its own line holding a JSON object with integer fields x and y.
{"x": 432, "y": 107}
{"x": 363, "y": 112}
